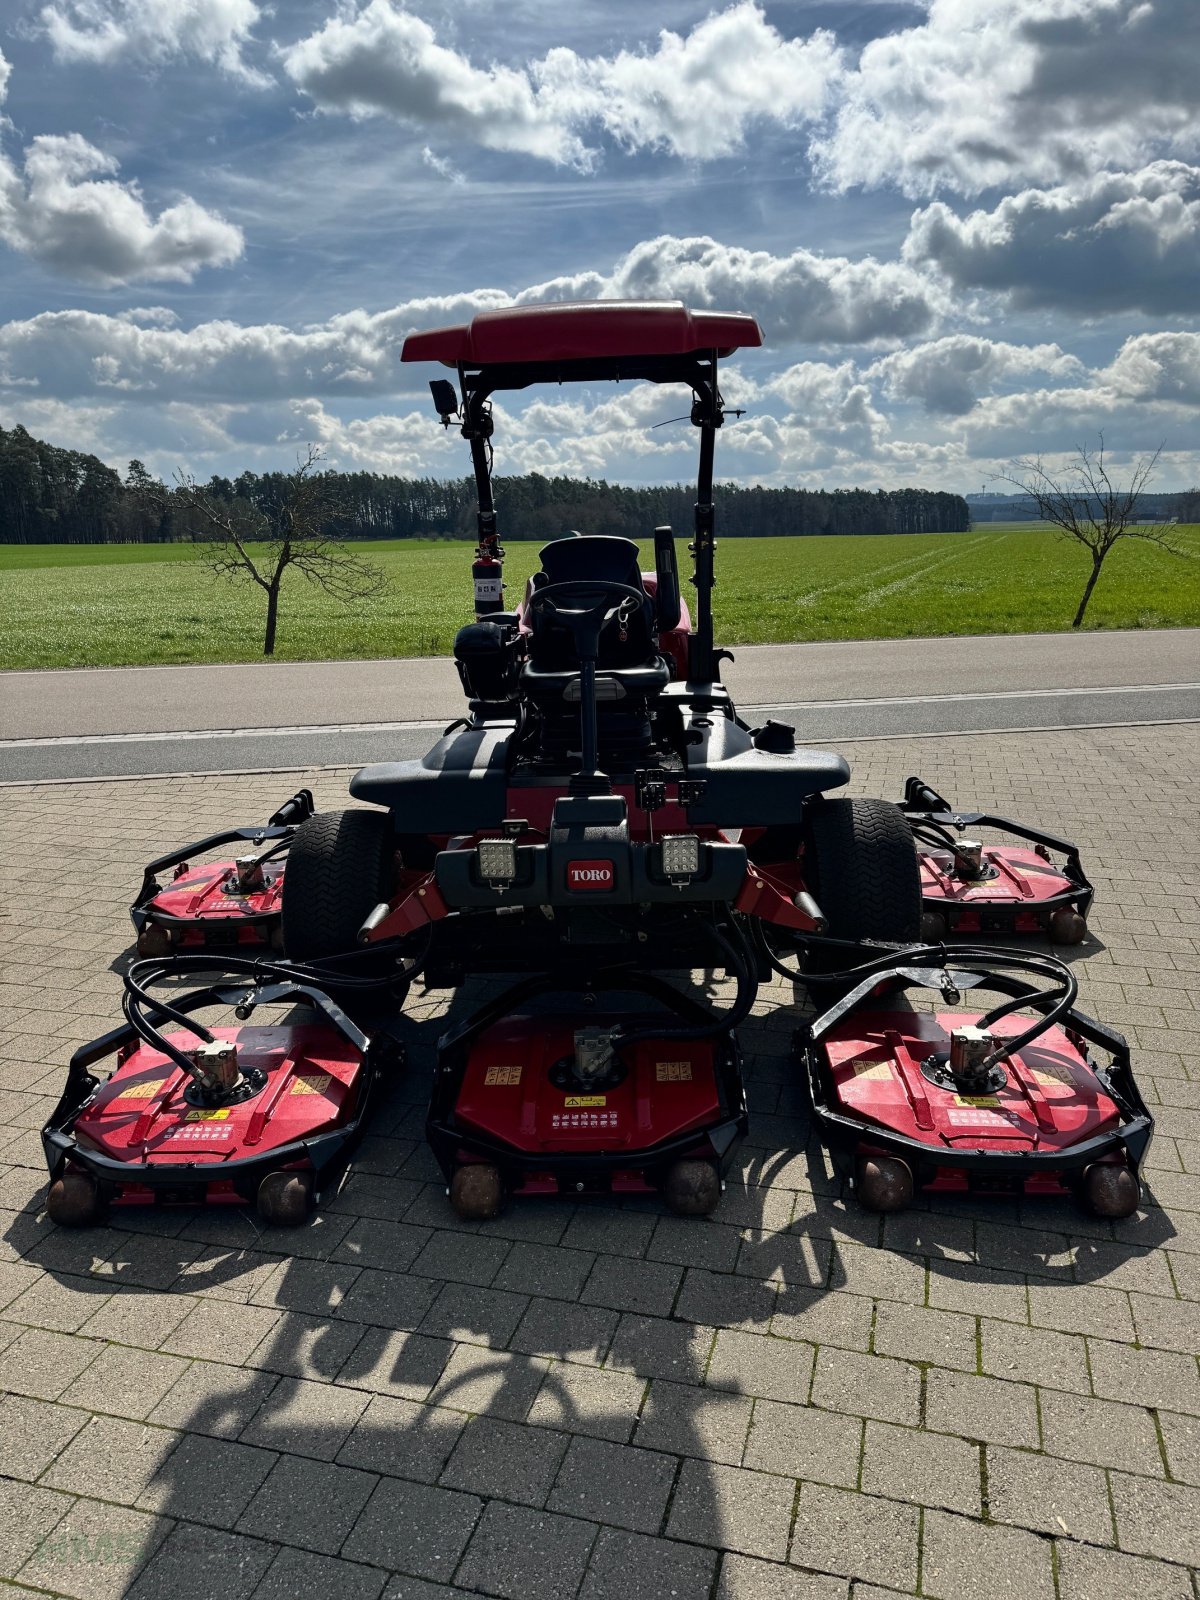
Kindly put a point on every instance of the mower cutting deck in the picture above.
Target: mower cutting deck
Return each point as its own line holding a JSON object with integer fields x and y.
{"x": 219, "y": 903}
{"x": 970, "y": 888}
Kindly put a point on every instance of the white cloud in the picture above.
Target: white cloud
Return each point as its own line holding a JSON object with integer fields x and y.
{"x": 1157, "y": 366}
{"x": 99, "y": 230}
{"x": 153, "y": 31}
{"x": 5, "y": 71}
{"x": 694, "y": 96}
{"x": 948, "y": 375}
{"x": 992, "y": 92}
{"x": 1114, "y": 241}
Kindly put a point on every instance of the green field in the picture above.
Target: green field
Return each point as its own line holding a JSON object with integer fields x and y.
{"x": 96, "y": 605}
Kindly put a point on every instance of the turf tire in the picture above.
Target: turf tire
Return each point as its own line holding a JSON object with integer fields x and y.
{"x": 862, "y": 860}
{"x": 341, "y": 864}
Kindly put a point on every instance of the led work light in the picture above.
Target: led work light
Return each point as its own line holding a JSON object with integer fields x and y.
{"x": 498, "y": 860}
{"x": 680, "y": 855}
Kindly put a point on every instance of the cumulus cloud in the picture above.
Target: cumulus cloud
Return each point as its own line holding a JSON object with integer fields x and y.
{"x": 153, "y": 31}
{"x": 947, "y": 376}
{"x": 1112, "y": 242}
{"x": 98, "y": 229}
{"x": 1157, "y": 366}
{"x": 694, "y": 95}
{"x": 5, "y": 70}
{"x": 994, "y": 92}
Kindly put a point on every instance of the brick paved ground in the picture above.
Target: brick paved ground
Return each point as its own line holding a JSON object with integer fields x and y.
{"x": 792, "y": 1400}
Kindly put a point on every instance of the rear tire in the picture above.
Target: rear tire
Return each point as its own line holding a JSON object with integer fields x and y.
{"x": 341, "y": 864}
{"x": 861, "y": 863}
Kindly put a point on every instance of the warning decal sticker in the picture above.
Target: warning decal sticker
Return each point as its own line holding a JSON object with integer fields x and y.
{"x": 673, "y": 1071}
{"x": 502, "y": 1077}
{"x": 141, "y": 1091}
{"x": 313, "y": 1083}
{"x": 575, "y": 1100}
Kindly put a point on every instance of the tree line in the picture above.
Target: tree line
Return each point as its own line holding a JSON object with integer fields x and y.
{"x": 49, "y": 495}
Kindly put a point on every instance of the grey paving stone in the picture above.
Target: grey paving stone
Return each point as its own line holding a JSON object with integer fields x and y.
{"x": 1080, "y": 1308}
{"x": 207, "y": 1480}
{"x": 1034, "y": 1355}
{"x": 929, "y": 1469}
{"x": 1166, "y": 1324}
{"x": 42, "y": 1365}
{"x": 505, "y": 1460}
{"x": 388, "y": 1299}
{"x": 965, "y": 1560}
{"x": 1089, "y": 1574}
{"x": 303, "y": 1346}
{"x": 694, "y": 1242}
{"x": 414, "y": 1528}
{"x": 588, "y": 1400}
{"x": 787, "y": 1258}
{"x": 220, "y": 1330}
{"x": 315, "y": 1287}
{"x": 402, "y": 1438}
{"x": 504, "y": 1385}
{"x": 34, "y": 1432}
{"x": 981, "y": 1408}
{"x": 1061, "y": 1498}
{"x": 856, "y": 1536}
{"x": 569, "y": 1332}
{"x": 111, "y": 1459}
{"x": 726, "y": 1301}
{"x": 304, "y": 1575}
{"x": 803, "y": 1442}
{"x": 920, "y": 1333}
{"x": 1181, "y": 1440}
{"x": 632, "y": 1566}
{"x": 312, "y": 1504}
{"x": 61, "y": 1303}
{"x": 213, "y": 1399}
{"x": 625, "y": 1285}
{"x": 28, "y": 1516}
{"x": 746, "y": 1578}
{"x": 1145, "y": 1377}
{"x": 733, "y": 1509}
{"x": 471, "y": 1315}
{"x": 127, "y": 1383}
{"x": 1100, "y": 1431}
{"x": 374, "y": 1242}
{"x": 196, "y": 1563}
{"x": 615, "y": 1484}
{"x": 656, "y": 1348}
{"x": 774, "y": 1369}
{"x": 308, "y": 1419}
{"x": 867, "y": 1386}
{"x": 526, "y": 1555}
{"x": 882, "y": 1274}
{"x": 406, "y": 1365}
{"x": 978, "y": 1291}
{"x": 95, "y": 1551}
{"x": 536, "y": 1269}
{"x": 822, "y": 1318}
{"x": 694, "y": 1422}
{"x": 1156, "y": 1518}
{"x": 461, "y": 1257}
{"x": 615, "y": 1232}
{"x": 136, "y": 1317}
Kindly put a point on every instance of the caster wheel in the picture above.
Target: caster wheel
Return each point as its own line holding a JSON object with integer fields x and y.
{"x": 1111, "y": 1190}
{"x": 73, "y": 1201}
{"x": 692, "y": 1188}
{"x": 933, "y": 927}
{"x": 1067, "y": 927}
{"x": 153, "y": 941}
{"x": 285, "y": 1198}
{"x": 883, "y": 1183}
{"x": 477, "y": 1192}
{"x": 277, "y": 940}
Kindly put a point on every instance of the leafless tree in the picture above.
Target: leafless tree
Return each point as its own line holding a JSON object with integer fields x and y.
{"x": 291, "y": 534}
{"x": 1084, "y": 504}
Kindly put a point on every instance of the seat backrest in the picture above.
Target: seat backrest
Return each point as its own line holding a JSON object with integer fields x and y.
{"x": 575, "y": 560}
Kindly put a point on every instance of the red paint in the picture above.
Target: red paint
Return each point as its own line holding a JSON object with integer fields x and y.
{"x": 199, "y": 896}
{"x": 589, "y": 876}
{"x": 583, "y": 332}
{"x": 1023, "y": 878}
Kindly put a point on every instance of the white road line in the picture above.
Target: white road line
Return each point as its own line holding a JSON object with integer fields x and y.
{"x": 325, "y": 729}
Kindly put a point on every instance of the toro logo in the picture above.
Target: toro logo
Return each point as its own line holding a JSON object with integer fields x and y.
{"x": 589, "y": 875}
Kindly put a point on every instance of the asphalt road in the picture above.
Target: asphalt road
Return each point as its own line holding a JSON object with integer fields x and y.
{"x": 141, "y": 720}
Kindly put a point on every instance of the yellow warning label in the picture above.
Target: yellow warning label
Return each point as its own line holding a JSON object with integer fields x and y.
{"x": 872, "y": 1070}
{"x": 221, "y": 1114}
{"x": 977, "y": 1100}
{"x": 314, "y": 1083}
{"x": 141, "y": 1091}
{"x": 574, "y": 1101}
{"x": 673, "y": 1071}
{"x": 502, "y": 1077}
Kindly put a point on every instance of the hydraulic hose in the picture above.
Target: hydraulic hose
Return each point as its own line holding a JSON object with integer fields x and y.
{"x": 741, "y": 963}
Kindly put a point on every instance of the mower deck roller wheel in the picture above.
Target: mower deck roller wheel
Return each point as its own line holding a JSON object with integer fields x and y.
{"x": 1111, "y": 1190}
{"x": 865, "y": 872}
{"x": 73, "y": 1200}
{"x": 477, "y": 1192}
{"x": 692, "y": 1188}
{"x": 883, "y": 1183}
{"x": 153, "y": 940}
{"x": 340, "y": 866}
{"x": 285, "y": 1198}
{"x": 1067, "y": 926}
{"x": 933, "y": 927}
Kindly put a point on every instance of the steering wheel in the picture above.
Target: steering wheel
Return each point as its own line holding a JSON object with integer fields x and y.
{"x": 585, "y": 622}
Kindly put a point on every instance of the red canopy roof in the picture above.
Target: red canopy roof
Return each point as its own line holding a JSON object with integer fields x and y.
{"x": 584, "y": 331}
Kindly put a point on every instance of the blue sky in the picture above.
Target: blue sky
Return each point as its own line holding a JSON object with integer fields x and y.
{"x": 970, "y": 228}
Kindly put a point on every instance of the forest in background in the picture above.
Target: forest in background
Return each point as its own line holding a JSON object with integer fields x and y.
{"x": 49, "y": 495}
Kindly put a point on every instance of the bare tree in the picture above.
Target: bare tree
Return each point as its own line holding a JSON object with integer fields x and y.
{"x": 1084, "y": 504}
{"x": 290, "y": 534}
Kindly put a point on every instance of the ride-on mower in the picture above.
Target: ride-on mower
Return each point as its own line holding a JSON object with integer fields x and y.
{"x": 600, "y": 817}
{"x": 219, "y": 903}
{"x": 969, "y": 888}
